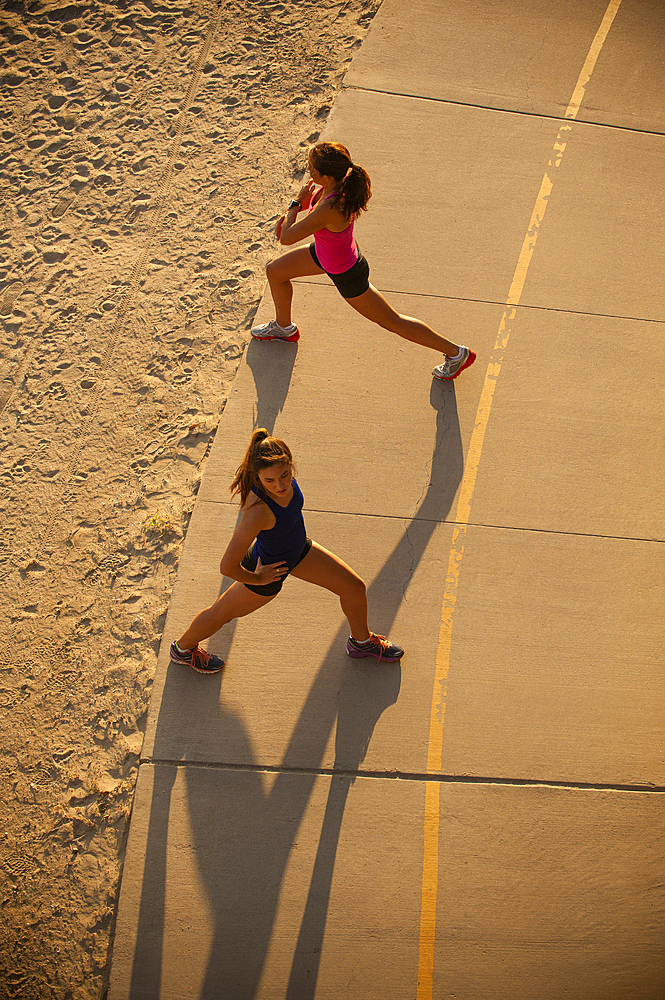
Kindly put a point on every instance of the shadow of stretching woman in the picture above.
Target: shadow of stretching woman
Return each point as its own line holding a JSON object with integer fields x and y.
{"x": 255, "y": 829}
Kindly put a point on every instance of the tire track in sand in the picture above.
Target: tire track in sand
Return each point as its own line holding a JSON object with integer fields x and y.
{"x": 69, "y": 486}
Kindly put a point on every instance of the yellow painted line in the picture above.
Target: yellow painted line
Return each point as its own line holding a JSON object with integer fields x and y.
{"x": 594, "y": 52}
{"x": 438, "y": 705}
{"x": 430, "y": 880}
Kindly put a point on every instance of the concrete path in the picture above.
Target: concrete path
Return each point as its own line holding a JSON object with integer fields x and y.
{"x": 486, "y": 819}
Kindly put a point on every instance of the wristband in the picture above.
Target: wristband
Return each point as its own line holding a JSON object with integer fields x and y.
{"x": 294, "y": 204}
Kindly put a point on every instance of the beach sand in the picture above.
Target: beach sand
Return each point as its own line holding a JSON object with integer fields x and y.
{"x": 147, "y": 149}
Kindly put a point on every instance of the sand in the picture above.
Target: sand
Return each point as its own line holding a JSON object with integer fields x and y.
{"x": 147, "y": 149}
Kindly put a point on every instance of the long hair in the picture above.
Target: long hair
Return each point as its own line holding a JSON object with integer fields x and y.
{"x": 353, "y": 187}
{"x": 263, "y": 451}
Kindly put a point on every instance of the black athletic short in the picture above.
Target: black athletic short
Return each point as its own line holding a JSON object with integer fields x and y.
{"x": 349, "y": 283}
{"x": 269, "y": 589}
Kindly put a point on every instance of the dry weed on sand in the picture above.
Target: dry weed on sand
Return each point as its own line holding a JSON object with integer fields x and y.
{"x": 147, "y": 148}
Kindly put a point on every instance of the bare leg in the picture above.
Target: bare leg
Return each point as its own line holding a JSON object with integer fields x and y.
{"x": 327, "y": 570}
{"x": 295, "y": 264}
{"x": 236, "y": 602}
{"x": 373, "y": 306}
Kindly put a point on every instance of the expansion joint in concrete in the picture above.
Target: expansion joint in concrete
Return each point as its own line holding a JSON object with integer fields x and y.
{"x": 504, "y": 111}
{"x": 523, "y": 306}
{"x": 492, "y": 527}
{"x": 444, "y": 779}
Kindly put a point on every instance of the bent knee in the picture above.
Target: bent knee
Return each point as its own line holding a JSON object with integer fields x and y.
{"x": 350, "y": 588}
{"x": 274, "y": 270}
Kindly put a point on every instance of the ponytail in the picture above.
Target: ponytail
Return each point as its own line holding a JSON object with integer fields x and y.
{"x": 354, "y": 192}
{"x": 263, "y": 451}
{"x": 353, "y": 189}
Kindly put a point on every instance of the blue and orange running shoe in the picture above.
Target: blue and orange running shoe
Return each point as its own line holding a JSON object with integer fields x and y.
{"x": 378, "y": 646}
{"x": 197, "y": 659}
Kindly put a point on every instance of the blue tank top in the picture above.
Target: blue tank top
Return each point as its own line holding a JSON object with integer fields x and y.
{"x": 284, "y": 542}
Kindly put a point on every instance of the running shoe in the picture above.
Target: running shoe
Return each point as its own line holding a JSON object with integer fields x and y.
{"x": 451, "y": 368}
{"x": 273, "y": 331}
{"x": 197, "y": 659}
{"x": 379, "y": 647}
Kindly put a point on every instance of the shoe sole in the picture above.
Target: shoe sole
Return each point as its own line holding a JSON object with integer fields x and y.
{"x": 289, "y": 340}
{"x": 357, "y": 655}
{"x": 467, "y": 364}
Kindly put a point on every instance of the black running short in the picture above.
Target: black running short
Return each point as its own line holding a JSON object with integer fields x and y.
{"x": 349, "y": 283}
{"x": 269, "y": 589}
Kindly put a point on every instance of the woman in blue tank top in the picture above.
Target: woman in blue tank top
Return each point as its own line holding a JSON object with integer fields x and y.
{"x": 270, "y": 543}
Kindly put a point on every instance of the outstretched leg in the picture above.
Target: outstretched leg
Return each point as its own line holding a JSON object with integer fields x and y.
{"x": 327, "y": 570}
{"x": 372, "y": 305}
{"x": 236, "y": 602}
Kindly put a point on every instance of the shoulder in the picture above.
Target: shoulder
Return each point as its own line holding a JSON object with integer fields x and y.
{"x": 298, "y": 499}
{"x": 323, "y": 209}
{"x": 257, "y": 513}
{"x": 332, "y": 218}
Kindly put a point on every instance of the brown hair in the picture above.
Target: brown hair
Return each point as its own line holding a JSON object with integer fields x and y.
{"x": 263, "y": 451}
{"x": 354, "y": 188}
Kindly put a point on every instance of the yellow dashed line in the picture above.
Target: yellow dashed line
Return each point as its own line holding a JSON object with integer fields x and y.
{"x": 438, "y": 705}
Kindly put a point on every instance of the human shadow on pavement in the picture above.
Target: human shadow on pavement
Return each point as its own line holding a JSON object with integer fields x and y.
{"x": 244, "y": 823}
{"x": 384, "y": 597}
{"x": 272, "y": 367}
{"x": 272, "y": 382}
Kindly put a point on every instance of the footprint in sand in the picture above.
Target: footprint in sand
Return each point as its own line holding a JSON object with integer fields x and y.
{"x": 61, "y": 207}
{"x": 12, "y": 80}
{"x": 44, "y": 774}
{"x": 6, "y": 389}
{"x": 84, "y": 40}
{"x": 56, "y": 390}
{"x": 109, "y": 564}
{"x": 18, "y": 469}
{"x": 53, "y": 257}
{"x": 170, "y": 432}
{"x": 19, "y": 865}
{"x": 9, "y": 297}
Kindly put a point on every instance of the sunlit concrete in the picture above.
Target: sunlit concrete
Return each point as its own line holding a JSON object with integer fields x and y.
{"x": 277, "y": 841}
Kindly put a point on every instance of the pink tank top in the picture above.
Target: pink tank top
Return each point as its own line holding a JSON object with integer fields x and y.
{"x": 337, "y": 252}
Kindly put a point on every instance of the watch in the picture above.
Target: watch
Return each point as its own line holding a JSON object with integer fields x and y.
{"x": 295, "y": 204}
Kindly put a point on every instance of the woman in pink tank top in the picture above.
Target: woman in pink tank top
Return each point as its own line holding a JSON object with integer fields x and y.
{"x": 337, "y": 193}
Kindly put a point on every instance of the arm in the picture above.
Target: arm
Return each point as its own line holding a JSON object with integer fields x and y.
{"x": 293, "y": 232}
{"x": 289, "y": 231}
{"x": 305, "y": 198}
{"x": 255, "y": 517}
